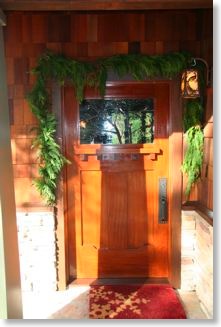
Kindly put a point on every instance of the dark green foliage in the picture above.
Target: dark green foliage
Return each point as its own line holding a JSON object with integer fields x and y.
{"x": 193, "y": 159}
{"x": 193, "y": 113}
{"x": 81, "y": 74}
{"x": 51, "y": 159}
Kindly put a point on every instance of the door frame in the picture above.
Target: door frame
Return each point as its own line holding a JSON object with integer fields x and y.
{"x": 175, "y": 185}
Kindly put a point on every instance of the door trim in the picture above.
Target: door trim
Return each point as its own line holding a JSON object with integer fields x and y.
{"x": 175, "y": 184}
{"x": 175, "y": 158}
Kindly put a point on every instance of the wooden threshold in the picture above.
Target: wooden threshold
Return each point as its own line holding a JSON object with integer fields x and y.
{"x": 119, "y": 281}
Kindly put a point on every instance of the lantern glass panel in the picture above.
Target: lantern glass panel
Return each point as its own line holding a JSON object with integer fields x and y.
{"x": 190, "y": 84}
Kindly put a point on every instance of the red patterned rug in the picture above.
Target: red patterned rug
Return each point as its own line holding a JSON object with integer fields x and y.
{"x": 134, "y": 302}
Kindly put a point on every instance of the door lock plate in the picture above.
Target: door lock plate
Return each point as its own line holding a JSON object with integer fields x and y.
{"x": 163, "y": 207}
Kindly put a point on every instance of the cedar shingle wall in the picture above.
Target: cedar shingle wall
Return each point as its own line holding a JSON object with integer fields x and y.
{"x": 86, "y": 36}
{"x": 205, "y": 187}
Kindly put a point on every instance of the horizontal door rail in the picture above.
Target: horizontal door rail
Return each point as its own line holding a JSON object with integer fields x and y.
{"x": 98, "y": 150}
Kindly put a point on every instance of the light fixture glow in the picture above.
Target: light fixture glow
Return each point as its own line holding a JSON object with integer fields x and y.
{"x": 190, "y": 84}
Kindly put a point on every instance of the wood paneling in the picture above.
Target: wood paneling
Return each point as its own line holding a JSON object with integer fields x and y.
{"x": 114, "y": 210}
{"x": 116, "y": 202}
{"x": 175, "y": 158}
{"x": 29, "y": 33}
{"x": 130, "y": 28}
{"x": 103, "y": 4}
{"x": 91, "y": 213}
{"x": 21, "y": 69}
{"x": 205, "y": 186}
{"x": 138, "y": 184}
{"x": 25, "y": 194}
{"x": 39, "y": 28}
{"x": 59, "y": 27}
{"x": 13, "y": 32}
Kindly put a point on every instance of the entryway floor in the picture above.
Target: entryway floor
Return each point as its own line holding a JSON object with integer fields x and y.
{"x": 73, "y": 304}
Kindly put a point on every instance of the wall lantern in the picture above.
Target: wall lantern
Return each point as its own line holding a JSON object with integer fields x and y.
{"x": 190, "y": 80}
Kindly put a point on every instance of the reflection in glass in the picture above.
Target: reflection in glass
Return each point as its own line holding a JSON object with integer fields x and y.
{"x": 123, "y": 121}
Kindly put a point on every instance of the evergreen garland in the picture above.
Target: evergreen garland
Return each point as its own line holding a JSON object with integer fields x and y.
{"x": 57, "y": 67}
{"x": 193, "y": 159}
{"x": 50, "y": 157}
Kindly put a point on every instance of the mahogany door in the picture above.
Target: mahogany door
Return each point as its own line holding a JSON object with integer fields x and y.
{"x": 117, "y": 194}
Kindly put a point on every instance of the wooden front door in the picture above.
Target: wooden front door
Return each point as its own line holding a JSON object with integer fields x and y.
{"x": 117, "y": 214}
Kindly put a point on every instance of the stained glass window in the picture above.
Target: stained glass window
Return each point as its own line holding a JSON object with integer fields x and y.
{"x": 116, "y": 121}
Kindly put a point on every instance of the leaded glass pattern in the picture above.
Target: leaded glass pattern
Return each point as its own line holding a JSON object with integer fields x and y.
{"x": 116, "y": 121}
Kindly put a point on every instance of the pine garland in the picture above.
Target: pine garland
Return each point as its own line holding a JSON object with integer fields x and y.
{"x": 193, "y": 159}
{"x": 50, "y": 157}
{"x": 59, "y": 68}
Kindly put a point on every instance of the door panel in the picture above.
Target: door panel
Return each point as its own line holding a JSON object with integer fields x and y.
{"x": 91, "y": 208}
{"x": 114, "y": 205}
{"x": 115, "y": 191}
{"x": 137, "y": 207}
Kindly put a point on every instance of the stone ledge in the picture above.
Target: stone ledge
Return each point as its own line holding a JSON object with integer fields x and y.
{"x": 197, "y": 260}
{"x": 37, "y": 250}
{"x": 34, "y": 209}
{"x": 196, "y": 207}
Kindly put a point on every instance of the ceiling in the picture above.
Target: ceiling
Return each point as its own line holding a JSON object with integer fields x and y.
{"x": 88, "y": 5}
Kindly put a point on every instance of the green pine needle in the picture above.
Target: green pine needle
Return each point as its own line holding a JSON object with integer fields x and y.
{"x": 193, "y": 159}
{"x": 82, "y": 74}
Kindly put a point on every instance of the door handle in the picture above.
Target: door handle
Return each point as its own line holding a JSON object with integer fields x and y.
{"x": 163, "y": 208}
